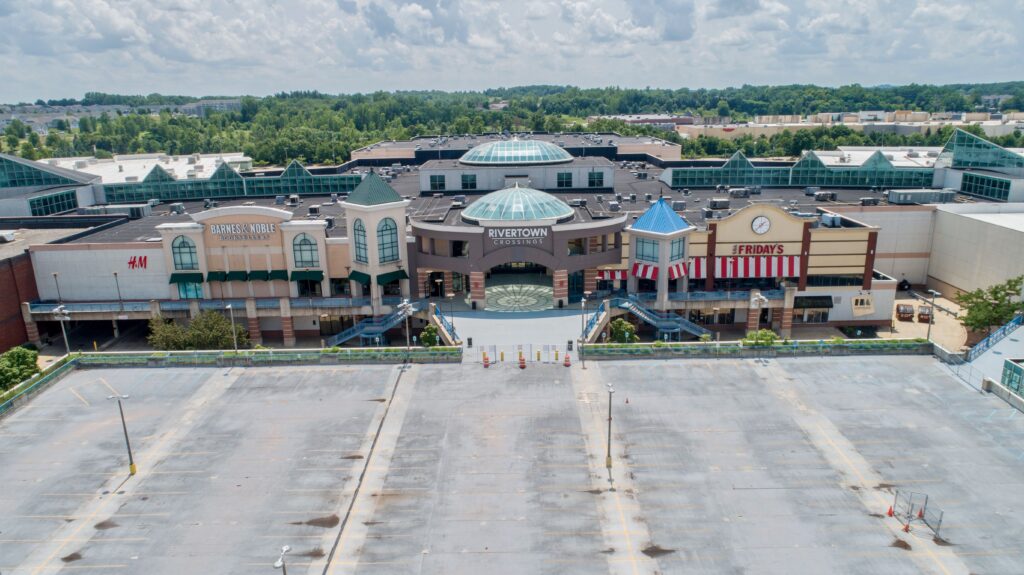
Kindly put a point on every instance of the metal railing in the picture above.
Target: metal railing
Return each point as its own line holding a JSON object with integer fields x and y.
{"x": 322, "y": 302}
{"x": 724, "y": 295}
{"x": 592, "y": 322}
{"x": 737, "y": 349}
{"x": 128, "y": 306}
{"x": 33, "y": 386}
{"x": 665, "y": 321}
{"x": 374, "y": 327}
{"x": 444, "y": 321}
{"x": 236, "y": 304}
{"x": 995, "y": 337}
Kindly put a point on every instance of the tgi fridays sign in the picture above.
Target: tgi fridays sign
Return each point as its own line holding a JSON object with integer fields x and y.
{"x": 757, "y": 249}
{"x": 502, "y": 237}
{"x": 243, "y": 231}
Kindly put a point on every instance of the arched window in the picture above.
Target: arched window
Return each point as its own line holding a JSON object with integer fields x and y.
{"x": 359, "y": 231}
{"x": 305, "y": 252}
{"x": 183, "y": 250}
{"x": 387, "y": 241}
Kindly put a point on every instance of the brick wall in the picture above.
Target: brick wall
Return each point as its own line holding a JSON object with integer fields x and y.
{"x": 17, "y": 284}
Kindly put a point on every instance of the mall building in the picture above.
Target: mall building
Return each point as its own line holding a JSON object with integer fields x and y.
{"x": 534, "y": 228}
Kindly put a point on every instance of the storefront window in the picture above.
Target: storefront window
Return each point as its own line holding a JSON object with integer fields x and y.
{"x": 678, "y": 249}
{"x": 392, "y": 288}
{"x": 595, "y": 180}
{"x": 359, "y": 231}
{"x": 646, "y": 250}
{"x": 340, "y": 287}
{"x": 563, "y": 180}
{"x": 468, "y": 181}
{"x": 184, "y": 252}
{"x": 190, "y": 290}
{"x": 387, "y": 241}
{"x": 576, "y": 246}
{"x": 437, "y": 183}
{"x": 309, "y": 288}
{"x": 305, "y": 252}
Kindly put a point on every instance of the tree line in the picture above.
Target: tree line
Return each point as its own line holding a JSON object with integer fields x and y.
{"x": 314, "y": 127}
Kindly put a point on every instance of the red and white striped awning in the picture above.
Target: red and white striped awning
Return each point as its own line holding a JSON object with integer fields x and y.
{"x": 677, "y": 270}
{"x": 757, "y": 267}
{"x": 611, "y": 274}
{"x": 698, "y": 268}
{"x": 645, "y": 271}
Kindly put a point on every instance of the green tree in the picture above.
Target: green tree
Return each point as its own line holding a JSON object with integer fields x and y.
{"x": 208, "y": 330}
{"x": 622, "y": 331}
{"x": 985, "y": 308}
{"x": 27, "y": 151}
{"x": 761, "y": 337}
{"x": 429, "y": 336}
{"x": 16, "y": 365}
{"x": 166, "y": 334}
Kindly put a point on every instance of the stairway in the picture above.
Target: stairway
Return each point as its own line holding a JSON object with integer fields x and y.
{"x": 371, "y": 328}
{"x": 665, "y": 322}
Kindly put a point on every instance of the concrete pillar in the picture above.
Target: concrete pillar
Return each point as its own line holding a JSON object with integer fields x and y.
{"x": 590, "y": 280}
{"x": 477, "y": 293}
{"x": 560, "y": 280}
{"x": 154, "y": 308}
{"x": 193, "y": 308}
{"x": 287, "y": 325}
{"x": 117, "y": 332}
{"x": 447, "y": 287}
{"x": 422, "y": 279}
{"x": 753, "y": 315}
{"x": 31, "y": 327}
{"x": 786, "y": 326}
{"x": 253, "y": 321}
{"x": 776, "y": 318}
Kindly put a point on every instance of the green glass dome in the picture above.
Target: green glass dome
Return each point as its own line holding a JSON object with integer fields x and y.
{"x": 515, "y": 152}
{"x": 517, "y": 205}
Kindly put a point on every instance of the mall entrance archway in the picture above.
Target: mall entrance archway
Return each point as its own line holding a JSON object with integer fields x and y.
{"x": 519, "y": 286}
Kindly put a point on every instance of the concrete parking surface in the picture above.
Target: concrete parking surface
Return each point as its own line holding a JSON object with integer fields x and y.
{"x": 718, "y": 466}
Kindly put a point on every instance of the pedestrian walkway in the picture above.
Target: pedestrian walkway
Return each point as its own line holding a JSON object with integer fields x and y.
{"x": 503, "y": 328}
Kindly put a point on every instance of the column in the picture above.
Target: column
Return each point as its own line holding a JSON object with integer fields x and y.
{"x": 753, "y": 313}
{"x": 709, "y": 278}
{"x": 253, "y": 321}
{"x": 31, "y": 327}
{"x": 776, "y": 318}
{"x": 422, "y": 279}
{"x": 287, "y": 325}
{"x": 560, "y": 280}
{"x": 590, "y": 280}
{"x": 447, "y": 287}
{"x": 477, "y": 293}
{"x": 786, "y": 328}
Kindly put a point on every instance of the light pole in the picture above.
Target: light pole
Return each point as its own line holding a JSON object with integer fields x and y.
{"x": 234, "y": 334}
{"x": 280, "y": 564}
{"x": 56, "y": 282}
{"x": 451, "y": 309}
{"x": 714, "y": 320}
{"x": 406, "y": 308}
{"x": 583, "y": 328}
{"x": 440, "y": 286}
{"x": 931, "y": 318}
{"x": 61, "y": 314}
{"x": 608, "y": 456}
{"x": 117, "y": 284}
{"x": 124, "y": 426}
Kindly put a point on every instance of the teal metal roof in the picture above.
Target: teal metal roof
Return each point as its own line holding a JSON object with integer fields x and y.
{"x": 515, "y": 152}
{"x": 660, "y": 218}
{"x": 517, "y": 204}
{"x": 373, "y": 191}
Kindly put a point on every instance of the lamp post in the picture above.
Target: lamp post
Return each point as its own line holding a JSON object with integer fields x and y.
{"x": 583, "y": 328}
{"x": 451, "y": 309}
{"x": 280, "y": 563}
{"x": 56, "y": 282}
{"x": 931, "y": 318}
{"x": 440, "y": 286}
{"x": 406, "y": 309}
{"x": 117, "y": 284}
{"x": 124, "y": 426}
{"x": 608, "y": 456}
{"x": 714, "y": 320}
{"x": 61, "y": 314}
{"x": 234, "y": 334}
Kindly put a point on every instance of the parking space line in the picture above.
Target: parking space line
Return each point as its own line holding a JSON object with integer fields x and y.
{"x": 110, "y": 387}
{"x": 79, "y": 396}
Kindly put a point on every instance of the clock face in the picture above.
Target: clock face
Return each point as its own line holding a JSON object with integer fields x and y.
{"x": 761, "y": 225}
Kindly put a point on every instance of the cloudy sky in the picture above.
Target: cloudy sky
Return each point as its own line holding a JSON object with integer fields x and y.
{"x": 64, "y": 48}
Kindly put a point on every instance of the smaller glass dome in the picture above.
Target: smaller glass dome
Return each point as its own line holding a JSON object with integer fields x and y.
{"x": 515, "y": 152}
{"x": 517, "y": 205}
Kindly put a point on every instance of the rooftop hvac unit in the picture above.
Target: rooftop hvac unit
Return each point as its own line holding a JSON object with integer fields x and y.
{"x": 314, "y": 210}
{"x": 575, "y": 202}
{"x": 679, "y": 206}
{"x": 330, "y": 222}
{"x": 177, "y": 208}
{"x": 6, "y": 236}
{"x": 153, "y": 202}
{"x": 632, "y": 198}
{"x": 131, "y": 178}
{"x": 648, "y": 197}
{"x": 599, "y": 198}
{"x": 614, "y": 206}
{"x": 278, "y": 200}
{"x": 293, "y": 200}
{"x": 334, "y": 198}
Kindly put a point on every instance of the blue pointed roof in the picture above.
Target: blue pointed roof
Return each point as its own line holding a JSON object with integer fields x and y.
{"x": 660, "y": 218}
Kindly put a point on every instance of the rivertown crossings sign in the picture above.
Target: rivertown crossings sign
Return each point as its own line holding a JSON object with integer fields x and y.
{"x": 501, "y": 237}
{"x": 243, "y": 231}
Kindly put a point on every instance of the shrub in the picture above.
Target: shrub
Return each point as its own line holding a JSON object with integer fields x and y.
{"x": 622, "y": 331}
{"x": 17, "y": 365}
{"x": 429, "y": 336}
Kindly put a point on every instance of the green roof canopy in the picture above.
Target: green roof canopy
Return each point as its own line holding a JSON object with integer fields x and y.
{"x": 392, "y": 276}
{"x": 186, "y": 278}
{"x": 259, "y": 275}
{"x": 278, "y": 275}
{"x": 314, "y": 275}
{"x": 360, "y": 277}
{"x": 373, "y": 191}
{"x": 237, "y": 276}
{"x": 216, "y": 276}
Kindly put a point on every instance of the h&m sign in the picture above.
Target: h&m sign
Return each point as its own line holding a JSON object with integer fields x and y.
{"x": 243, "y": 231}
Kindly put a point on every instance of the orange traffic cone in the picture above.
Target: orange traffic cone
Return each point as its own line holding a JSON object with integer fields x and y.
{"x": 920, "y": 513}
{"x": 487, "y": 361}
{"x": 566, "y": 363}
{"x": 889, "y": 512}
{"x": 627, "y": 401}
{"x": 906, "y": 528}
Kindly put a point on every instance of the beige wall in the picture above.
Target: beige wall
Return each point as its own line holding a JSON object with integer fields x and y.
{"x": 904, "y": 238}
{"x": 968, "y": 254}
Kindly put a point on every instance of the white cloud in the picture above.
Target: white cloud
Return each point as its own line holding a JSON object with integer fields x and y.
{"x": 64, "y": 48}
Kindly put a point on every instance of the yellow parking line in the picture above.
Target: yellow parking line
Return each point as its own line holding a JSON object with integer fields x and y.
{"x": 79, "y": 396}
{"x": 110, "y": 387}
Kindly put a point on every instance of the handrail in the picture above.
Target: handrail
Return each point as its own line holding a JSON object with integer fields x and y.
{"x": 593, "y": 321}
{"x": 666, "y": 322}
{"x": 995, "y": 337}
{"x": 446, "y": 323}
